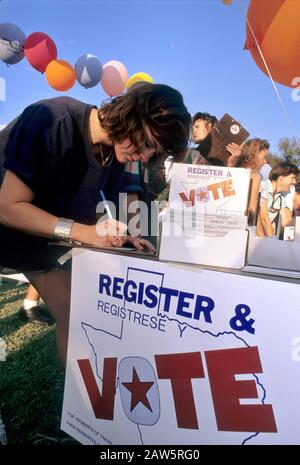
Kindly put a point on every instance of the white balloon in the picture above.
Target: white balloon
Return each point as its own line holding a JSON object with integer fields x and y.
{"x": 12, "y": 40}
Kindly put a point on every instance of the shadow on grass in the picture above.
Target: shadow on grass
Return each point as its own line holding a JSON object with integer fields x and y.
{"x": 31, "y": 393}
{"x": 10, "y": 324}
{"x": 14, "y": 322}
{"x": 11, "y": 299}
{"x": 9, "y": 293}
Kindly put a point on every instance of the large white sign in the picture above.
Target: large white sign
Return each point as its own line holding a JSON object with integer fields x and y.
{"x": 166, "y": 354}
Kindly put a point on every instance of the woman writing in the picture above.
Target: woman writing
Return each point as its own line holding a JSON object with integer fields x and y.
{"x": 60, "y": 153}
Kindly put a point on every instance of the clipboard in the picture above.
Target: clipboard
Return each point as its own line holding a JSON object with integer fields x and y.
{"x": 225, "y": 131}
{"x": 153, "y": 254}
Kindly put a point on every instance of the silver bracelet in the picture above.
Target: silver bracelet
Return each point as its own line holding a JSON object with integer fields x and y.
{"x": 63, "y": 229}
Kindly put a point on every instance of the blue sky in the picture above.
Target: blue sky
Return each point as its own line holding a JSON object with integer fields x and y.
{"x": 195, "y": 46}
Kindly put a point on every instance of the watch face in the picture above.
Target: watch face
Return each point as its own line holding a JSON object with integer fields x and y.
{"x": 234, "y": 129}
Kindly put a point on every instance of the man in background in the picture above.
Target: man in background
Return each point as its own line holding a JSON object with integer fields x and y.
{"x": 201, "y": 129}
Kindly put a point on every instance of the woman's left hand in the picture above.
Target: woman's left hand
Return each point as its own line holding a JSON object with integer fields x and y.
{"x": 139, "y": 243}
{"x": 234, "y": 149}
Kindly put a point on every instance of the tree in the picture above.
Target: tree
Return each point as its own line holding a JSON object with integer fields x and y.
{"x": 273, "y": 159}
{"x": 289, "y": 148}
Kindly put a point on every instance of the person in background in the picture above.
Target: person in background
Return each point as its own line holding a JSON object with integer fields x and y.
{"x": 142, "y": 184}
{"x": 235, "y": 151}
{"x": 60, "y": 154}
{"x": 202, "y": 124}
{"x": 274, "y": 214}
{"x": 296, "y": 203}
{"x": 253, "y": 156}
{"x": 31, "y": 310}
{"x": 265, "y": 171}
{"x": 199, "y": 155}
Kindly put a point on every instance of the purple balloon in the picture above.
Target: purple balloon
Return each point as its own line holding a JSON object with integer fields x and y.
{"x": 88, "y": 70}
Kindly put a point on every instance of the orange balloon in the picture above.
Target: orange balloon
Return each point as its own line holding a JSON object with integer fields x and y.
{"x": 276, "y": 27}
{"x": 60, "y": 75}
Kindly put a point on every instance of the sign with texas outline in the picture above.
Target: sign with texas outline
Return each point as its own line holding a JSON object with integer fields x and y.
{"x": 172, "y": 355}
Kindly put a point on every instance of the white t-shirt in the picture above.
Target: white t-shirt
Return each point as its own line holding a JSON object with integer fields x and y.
{"x": 275, "y": 202}
{"x": 289, "y": 199}
{"x": 265, "y": 171}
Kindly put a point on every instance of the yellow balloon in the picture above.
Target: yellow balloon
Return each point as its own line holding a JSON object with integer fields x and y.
{"x": 227, "y": 2}
{"x": 137, "y": 77}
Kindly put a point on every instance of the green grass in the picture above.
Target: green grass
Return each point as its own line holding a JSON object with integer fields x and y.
{"x": 31, "y": 378}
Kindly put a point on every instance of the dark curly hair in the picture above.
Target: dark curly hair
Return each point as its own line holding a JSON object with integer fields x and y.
{"x": 211, "y": 119}
{"x": 283, "y": 168}
{"x": 157, "y": 108}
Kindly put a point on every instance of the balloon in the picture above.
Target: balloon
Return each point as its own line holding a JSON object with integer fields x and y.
{"x": 276, "y": 28}
{"x": 60, "y": 75}
{"x": 114, "y": 77}
{"x": 40, "y": 50}
{"x": 227, "y": 2}
{"x": 12, "y": 40}
{"x": 138, "y": 77}
{"x": 88, "y": 70}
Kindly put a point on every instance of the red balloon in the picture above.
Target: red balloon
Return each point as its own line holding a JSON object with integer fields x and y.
{"x": 40, "y": 49}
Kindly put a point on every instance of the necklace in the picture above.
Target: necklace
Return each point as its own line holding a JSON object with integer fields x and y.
{"x": 106, "y": 161}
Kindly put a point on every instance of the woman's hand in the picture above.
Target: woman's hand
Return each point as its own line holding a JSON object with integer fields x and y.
{"x": 139, "y": 243}
{"x": 234, "y": 149}
{"x": 108, "y": 233}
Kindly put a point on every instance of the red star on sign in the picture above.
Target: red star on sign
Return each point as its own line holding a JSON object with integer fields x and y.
{"x": 203, "y": 195}
{"x": 138, "y": 391}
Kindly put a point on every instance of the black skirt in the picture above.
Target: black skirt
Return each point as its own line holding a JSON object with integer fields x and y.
{"x": 24, "y": 252}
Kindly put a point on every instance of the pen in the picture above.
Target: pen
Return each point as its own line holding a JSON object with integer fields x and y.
{"x": 106, "y": 205}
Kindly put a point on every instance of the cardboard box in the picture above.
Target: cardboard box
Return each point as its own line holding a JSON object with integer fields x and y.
{"x": 269, "y": 252}
{"x": 205, "y": 222}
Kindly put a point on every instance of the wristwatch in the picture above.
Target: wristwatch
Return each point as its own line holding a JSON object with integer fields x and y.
{"x": 63, "y": 229}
